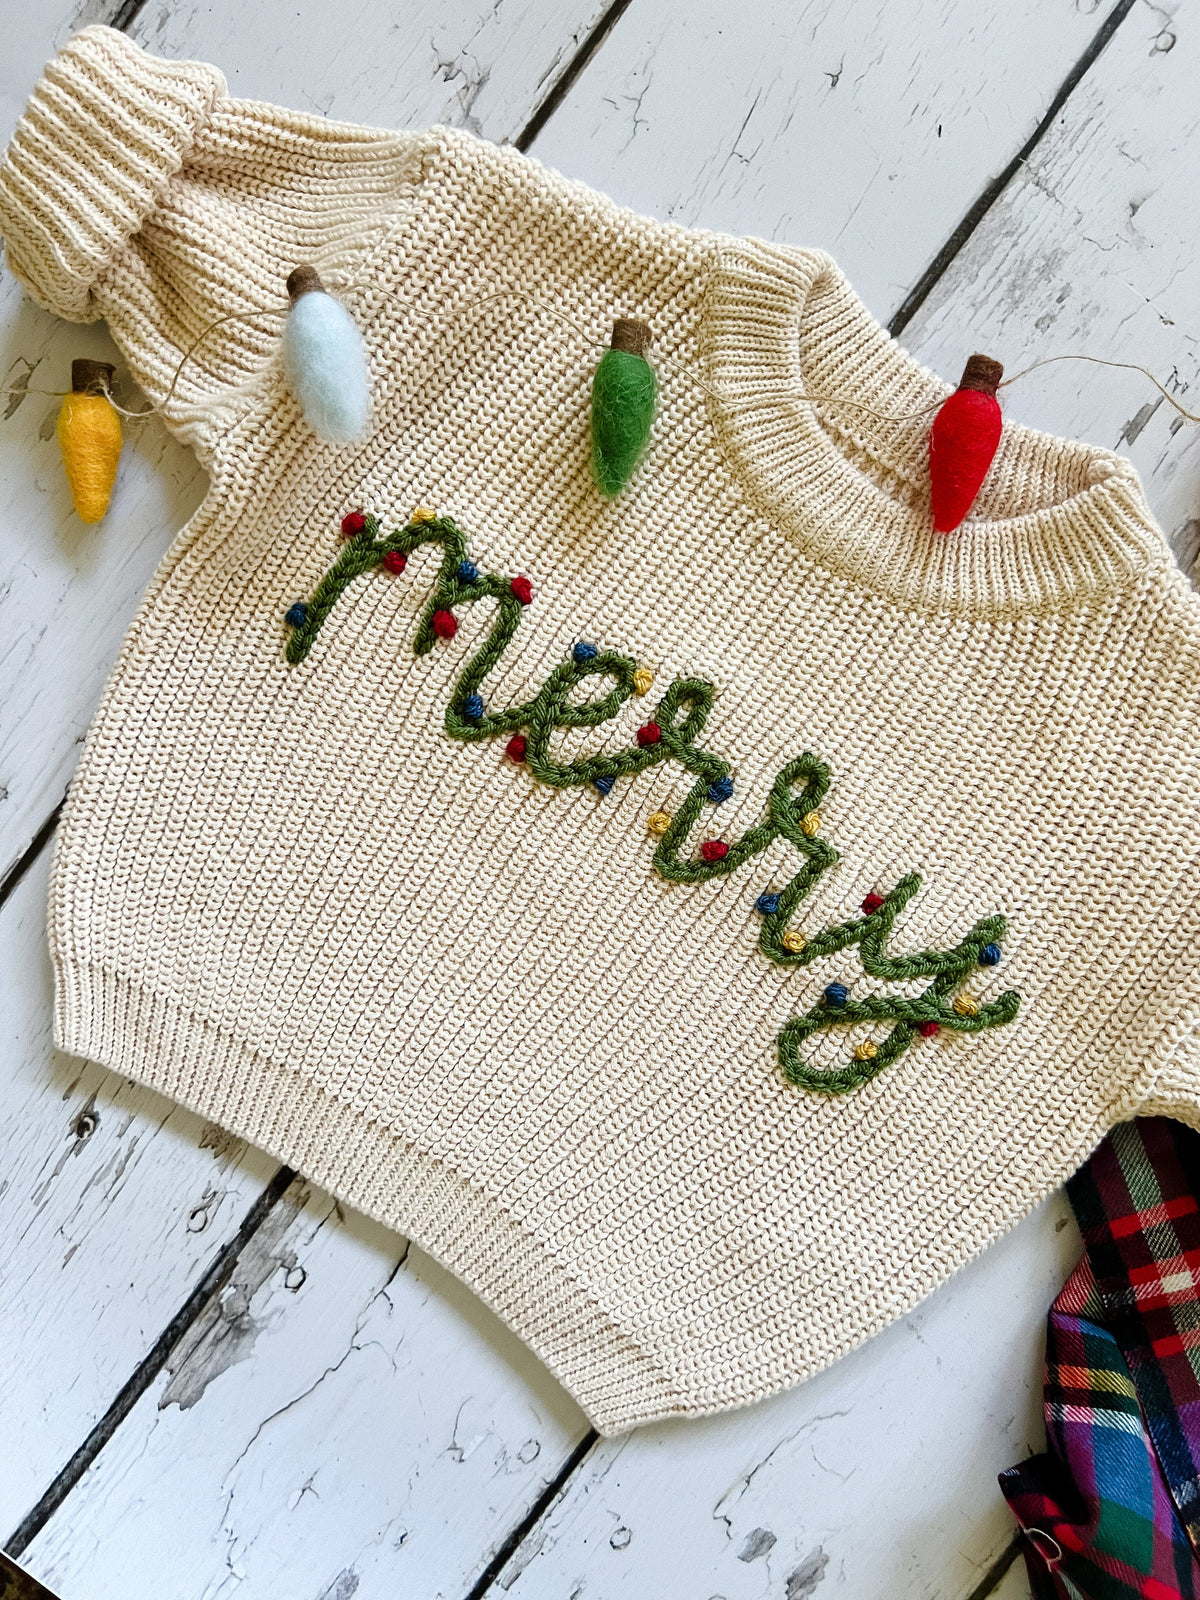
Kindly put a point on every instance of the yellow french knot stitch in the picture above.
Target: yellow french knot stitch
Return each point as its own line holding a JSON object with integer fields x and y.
{"x": 793, "y": 940}
{"x": 643, "y": 680}
{"x": 965, "y": 1006}
{"x": 867, "y": 1051}
{"x": 658, "y": 822}
{"x": 811, "y": 824}
{"x": 424, "y": 514}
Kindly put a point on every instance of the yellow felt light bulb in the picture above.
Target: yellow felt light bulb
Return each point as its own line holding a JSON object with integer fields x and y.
{"x": 89, "y": 436}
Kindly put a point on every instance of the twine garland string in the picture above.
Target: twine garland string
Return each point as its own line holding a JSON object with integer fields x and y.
{"x": 807, "y": 397}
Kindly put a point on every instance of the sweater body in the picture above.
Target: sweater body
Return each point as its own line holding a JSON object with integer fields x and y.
{"x": 481, "y": 996}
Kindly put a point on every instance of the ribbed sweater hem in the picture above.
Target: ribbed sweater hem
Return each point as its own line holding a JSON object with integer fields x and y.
{"x": 145, "y": 1035}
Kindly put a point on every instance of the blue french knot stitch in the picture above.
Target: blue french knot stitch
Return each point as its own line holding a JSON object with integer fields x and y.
{"x": 604, "y": 784}
{"x": 587, "y": 652}
{"x": 836, "y": 995}
{"x": 473, "y": 706}
{"x": 468, "y": 571}
{"x": 721, "y": 790}
{"x": 768, "y": 904}
{"x": 989, "y": 956}
{"x": 297, "y": 615}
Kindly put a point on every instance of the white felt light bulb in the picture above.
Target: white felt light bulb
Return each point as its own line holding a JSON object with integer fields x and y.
{"x": 325, "y": 360}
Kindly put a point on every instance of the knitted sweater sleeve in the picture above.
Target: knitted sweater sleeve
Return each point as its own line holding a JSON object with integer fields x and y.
{"x": 137, "y": 190}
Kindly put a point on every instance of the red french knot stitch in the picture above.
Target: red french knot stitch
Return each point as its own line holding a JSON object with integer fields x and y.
{"x": 523, "y": 589}
{"x": 927, "y": 1029}
{"x": 516, "y": 747}
{"x": 394, "y": 561}
{"x": 872, "y": 903}
{"x": 650, "y": 734}
{"x": 353, "y": 522}
{"x": 444, "y": 624}
{"x": 714, "y": 850}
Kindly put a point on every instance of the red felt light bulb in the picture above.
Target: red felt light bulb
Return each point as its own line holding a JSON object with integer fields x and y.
{"x": 963, "y": 442}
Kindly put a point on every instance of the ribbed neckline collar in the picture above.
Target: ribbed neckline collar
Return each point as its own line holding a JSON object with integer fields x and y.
{"x": 1054, "y": 520}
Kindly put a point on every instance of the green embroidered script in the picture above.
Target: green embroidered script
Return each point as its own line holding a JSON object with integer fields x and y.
{"x": 798, "y": 790}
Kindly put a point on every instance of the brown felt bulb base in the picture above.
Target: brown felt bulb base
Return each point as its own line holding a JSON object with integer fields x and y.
{"x": 304, "y": 279}
{"x": 982, "y": 373}
{"x": 91, "y": 377}
{"x": 630, "y": 333}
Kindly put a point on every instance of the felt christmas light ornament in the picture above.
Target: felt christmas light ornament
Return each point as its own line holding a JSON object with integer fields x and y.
{"x": 325, "y": 360}
{"x": 89, "y": 436}
{"x": 963, "y": 442}
{"x": 624, "y": 392}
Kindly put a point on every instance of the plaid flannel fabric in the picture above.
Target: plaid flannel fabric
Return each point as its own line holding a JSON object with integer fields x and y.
{"x": 1111, "y": 1511}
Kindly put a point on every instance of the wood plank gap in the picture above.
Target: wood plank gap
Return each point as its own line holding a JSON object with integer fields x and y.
{"x": 994, "y": 1575}
{"x": 213, "y": 1281}
{"x": 33, "y": 850}
{"x": 954, "y": 245}
{"x": 532, "y": 1517}
{"x": 127, "y": 14}
{"x": 564, "y": 82}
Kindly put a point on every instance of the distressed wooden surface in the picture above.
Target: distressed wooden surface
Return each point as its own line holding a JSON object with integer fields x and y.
{"x": 864, "y": 128}
{"x": 473, "y": 64}
{"x": 879, "y": 1474}
{"x": 111, "y": 1202}
{"x": 344, "y": 1418}
{"x": 339, "y": 1417}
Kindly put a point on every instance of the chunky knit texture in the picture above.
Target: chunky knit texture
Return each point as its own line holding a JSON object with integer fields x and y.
{"x": 463, "y": 999}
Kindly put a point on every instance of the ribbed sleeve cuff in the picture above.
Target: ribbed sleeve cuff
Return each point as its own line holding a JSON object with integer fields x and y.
{"x": 104, "y": 132}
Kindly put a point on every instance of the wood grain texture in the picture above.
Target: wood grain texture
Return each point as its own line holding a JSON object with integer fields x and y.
{"x": 372, "y": 1430}
{"x": 111, "y": 1202}
{"x": 862, "y": 128}
{"x": 473, "y": 65}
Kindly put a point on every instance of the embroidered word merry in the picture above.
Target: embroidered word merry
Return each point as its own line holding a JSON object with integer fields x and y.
{"x": 672, "y": 734}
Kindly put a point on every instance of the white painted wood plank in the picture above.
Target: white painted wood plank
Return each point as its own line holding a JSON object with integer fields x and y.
{"x": 864, "y": 128}
{"x": 379, "y": 1434}
{"x": 877, "y": 1477}
{"x": 112, "y": 1202}
{"x": 1094, "y": 249}
{"x": 471, "y": 63}
{"x": 67, "y": 591}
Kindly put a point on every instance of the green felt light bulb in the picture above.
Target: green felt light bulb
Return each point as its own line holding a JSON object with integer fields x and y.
{"x": 624, "y": 392}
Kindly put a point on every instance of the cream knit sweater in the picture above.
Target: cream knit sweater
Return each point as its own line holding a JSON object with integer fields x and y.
{"x": 468, "y": 991}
